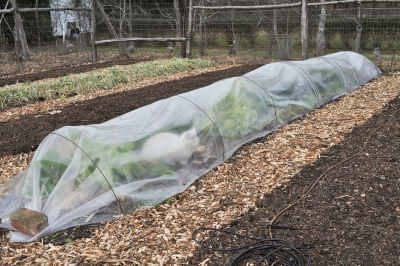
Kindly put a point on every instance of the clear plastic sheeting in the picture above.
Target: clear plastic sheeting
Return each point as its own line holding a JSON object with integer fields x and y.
{"x": 87, "y": 174}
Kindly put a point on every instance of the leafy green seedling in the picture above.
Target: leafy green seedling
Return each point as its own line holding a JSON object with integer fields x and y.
{"x": 169, "y": 201}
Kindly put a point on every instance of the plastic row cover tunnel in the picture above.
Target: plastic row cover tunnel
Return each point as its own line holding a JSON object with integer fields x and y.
{"x": 86, "y": 174}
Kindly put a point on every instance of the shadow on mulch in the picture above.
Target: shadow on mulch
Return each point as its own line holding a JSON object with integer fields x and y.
{"x": 351, "y": 217}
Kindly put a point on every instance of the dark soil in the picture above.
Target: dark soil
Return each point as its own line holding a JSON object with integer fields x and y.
{"x": 72, "y": 69}
{"x": 352, "y": 216}
{"x": 65, "y": 236}
{"x": 70, "y": 234}
{"x": 26, "y": 133}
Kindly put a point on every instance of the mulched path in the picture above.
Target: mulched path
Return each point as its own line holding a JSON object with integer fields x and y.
{"x": 351, "y": 217}
{"x": 26, "y": 133}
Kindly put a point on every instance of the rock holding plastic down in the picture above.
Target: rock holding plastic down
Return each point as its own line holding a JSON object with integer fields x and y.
{"x": 28, "y": 221}
{"x": 87, "y": 174}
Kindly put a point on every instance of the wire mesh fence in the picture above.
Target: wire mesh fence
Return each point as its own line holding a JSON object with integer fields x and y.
{"x": 54, "y": 38}
{"x": 268, "y": 33}
{"x": 361, "y": 27}
{"x": 61, "y": 38}
{"x": 142, "y": 20}
{"x": 277, "y": 33}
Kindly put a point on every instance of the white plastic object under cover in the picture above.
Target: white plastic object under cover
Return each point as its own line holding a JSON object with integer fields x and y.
{"x": 87, "y": 174}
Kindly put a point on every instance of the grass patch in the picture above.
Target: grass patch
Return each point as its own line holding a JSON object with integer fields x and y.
{"x": 101, "y": 79}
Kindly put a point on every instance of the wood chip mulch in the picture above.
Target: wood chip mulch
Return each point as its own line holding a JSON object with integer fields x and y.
{"x": 162, "y": 235}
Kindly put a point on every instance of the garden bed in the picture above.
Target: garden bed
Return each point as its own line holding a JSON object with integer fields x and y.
{"x": 240, "y": 186}
{"x": 45, "y": 65}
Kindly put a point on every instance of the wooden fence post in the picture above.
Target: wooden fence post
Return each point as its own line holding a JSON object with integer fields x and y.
{"x": 304, "y": 30}
{"x": 93, "y": 30}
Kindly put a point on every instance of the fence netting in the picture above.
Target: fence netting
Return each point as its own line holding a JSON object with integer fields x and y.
{"x": 87, "y": 174}
{"x": 54, "y": 38}
{"x": 61, "y": 38}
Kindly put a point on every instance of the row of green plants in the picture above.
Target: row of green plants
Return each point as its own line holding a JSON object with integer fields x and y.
{"x": 101, "y": 79}
{"x": 119, "y": 164}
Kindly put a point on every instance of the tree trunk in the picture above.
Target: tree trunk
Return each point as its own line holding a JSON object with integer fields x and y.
{"x": 121, "y": 47}
{"x": 182, "y": 11}
{"x": 288, "y": 36}
{"x": 17, "y": 39}
{"x": 93, "y": 30}
{"x": 359, "y": 29}
{"x": 279, "y": 43}
{"x": 3, "y": 42}
{"x": 358, "y": 39}
{"x": 189, "y": 36}
{"x": 178, "y": 22}
{"x": 200, "y": 36}
{"x": 200, "y": 44}
{"x": 37, "y": 24}
{"x": 131, "y": 44}
{"x": 304, "y": 30}
{"x": 231, "y": 33}
{"x": 24, "y": 43}
{"x": 321, "y": 31}
{"x": 21, "y": 32}
{"x": 122, "y": 18}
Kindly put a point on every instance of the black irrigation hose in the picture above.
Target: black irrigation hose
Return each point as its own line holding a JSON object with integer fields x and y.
{"x": 273, "y": 251}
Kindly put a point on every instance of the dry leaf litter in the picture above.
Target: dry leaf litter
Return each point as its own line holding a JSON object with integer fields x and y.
{"x": 162, "y": 235}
